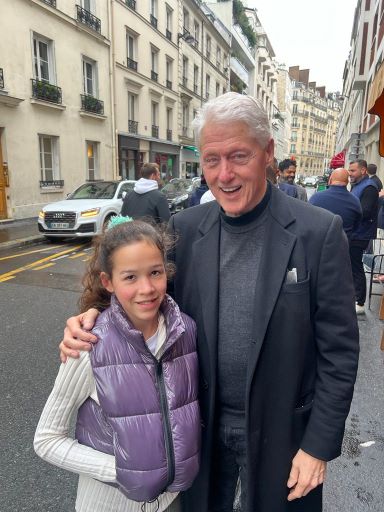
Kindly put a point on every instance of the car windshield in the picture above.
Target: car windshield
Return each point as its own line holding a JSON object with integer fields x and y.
{"x": 176, "y": 187}
{"x": 102, "y": 190}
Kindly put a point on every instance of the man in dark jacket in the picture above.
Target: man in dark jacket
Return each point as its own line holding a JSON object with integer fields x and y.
{"x": 260, "y": 273}
{"x": 372, "y": 170}
{"x": 338, "y": 200}
{"x": 366, "y": 191}
{"x": 287, "y": 173}
{"x": 146, "y": 200}
{"x": 198, "y": 193}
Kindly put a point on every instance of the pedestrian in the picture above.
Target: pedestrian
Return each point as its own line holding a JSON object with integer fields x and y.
{"x": 267, "y": 280}
{"x": 146, "y": 201}
{"x": 365, "y": 190}
{"x": 372, "y": 170}
{"x": 338, "y": 200}
{"x": 138, "y": 425}
{"x": 198, "y": 193}
{"x": 287, "y": 173}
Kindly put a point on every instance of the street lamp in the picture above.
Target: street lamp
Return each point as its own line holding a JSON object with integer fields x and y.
{"x": 187, "y": 37}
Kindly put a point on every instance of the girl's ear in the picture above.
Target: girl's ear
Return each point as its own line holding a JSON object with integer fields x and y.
{"x": 106, "y": 282}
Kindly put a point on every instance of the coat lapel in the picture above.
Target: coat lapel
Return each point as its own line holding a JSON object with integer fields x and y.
{"x": 279, "y": 244}
{"x": 206, "y": 254}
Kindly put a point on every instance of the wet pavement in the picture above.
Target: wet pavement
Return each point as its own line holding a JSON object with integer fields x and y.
{"x": 19, "y": 232}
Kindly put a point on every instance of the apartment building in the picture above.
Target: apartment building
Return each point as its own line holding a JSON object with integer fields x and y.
{"x": 314, "y": 121}
{"x": 359, "y": 131}
{"x": 284, "y": 104}
{"x": 55, "y": 102}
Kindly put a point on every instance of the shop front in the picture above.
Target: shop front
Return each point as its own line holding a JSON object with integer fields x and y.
{"x": 130, "y": 158}
{"x": 190, "y": 162}
{"x": 168, "y": 157}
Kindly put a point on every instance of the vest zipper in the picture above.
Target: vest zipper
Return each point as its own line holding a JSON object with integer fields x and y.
{"x": 167, "y": 424}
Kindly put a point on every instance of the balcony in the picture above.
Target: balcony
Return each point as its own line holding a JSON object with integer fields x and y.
{"x": 91, "y": 104}
{"x": 46, "y": 91}
{"x": 52, "y": 183}
{"x": 168, "y": 84}
{"x": 87, "y": 18}
{"x": 153, "y": 21}
{"x": 1, "y": 78}
{"x": 154, "y": 76}
{"x": 155, "y": 131}
{"x": 185, "y": 82}
{"x": 52, "y": 3}
{"x": 131, "y": 4}
{"x": 168, "y": 34}
{"x": 133, "y": 126}
{"x": 131, "y": 64}
{"x": 169, "y": 134}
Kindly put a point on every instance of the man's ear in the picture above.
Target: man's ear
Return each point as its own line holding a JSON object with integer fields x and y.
{"x": 270, "y": 150}
{"x": 106, "y": 282}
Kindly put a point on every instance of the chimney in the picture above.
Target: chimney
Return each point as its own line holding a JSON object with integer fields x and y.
{"x": 304, "y": 76}
{"x": 321, "y": 91}
{"x": 294, "y": 72}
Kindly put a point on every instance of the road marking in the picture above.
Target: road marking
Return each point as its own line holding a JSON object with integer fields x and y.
{"x": 77, "y": 255}
{"x": 44, "y": 266}
{"x": 6, "y": 279}
{"x": 38, "y": 262}
{"x": 29, "y": 252}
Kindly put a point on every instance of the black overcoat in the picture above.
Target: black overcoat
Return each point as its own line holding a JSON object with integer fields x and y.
{"x": 303, "y": 359}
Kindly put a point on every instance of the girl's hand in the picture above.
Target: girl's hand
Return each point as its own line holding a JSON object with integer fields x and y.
{"x": 76, "y": 335}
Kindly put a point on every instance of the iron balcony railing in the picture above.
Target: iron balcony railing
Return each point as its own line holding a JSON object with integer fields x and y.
{"x": 153, "y": 21}
{"x": 1, "y": 78}
{"x": 132, "y": 64}
{"x": 169, "y": 134}
{"x": 154, "y": 76}
{"x": 169, "y": 84}
{"x": 168, "y": 34}
{"x": 45, "y": 91}
{"x": 52, "y": 3}
{"x": 91, "y": 104}
{"x": 52, "y": 183}
{"x": 88, "y": 19}
{"x": 132, "y": 126}
{"x": 155, "y": 131}
{"x": 131, "y": 4}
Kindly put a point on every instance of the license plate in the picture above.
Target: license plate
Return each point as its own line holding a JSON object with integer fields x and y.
{"x": 59, "y": 225}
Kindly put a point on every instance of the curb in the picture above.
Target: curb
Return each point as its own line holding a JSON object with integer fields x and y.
{"x": 20, "y": 242}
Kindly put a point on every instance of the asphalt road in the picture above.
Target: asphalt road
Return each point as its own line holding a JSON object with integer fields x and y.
{"x": 39, "y": 288}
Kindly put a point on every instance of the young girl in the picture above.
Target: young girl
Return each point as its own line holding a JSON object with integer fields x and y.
{"x": 137, "y": 436}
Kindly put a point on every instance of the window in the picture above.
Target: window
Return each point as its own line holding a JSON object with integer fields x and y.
{"x": 294, "y": 108}
{"x": 89, "y": 77}
{"x": 92, "y": 159}
{"x": 88, "y": 5}
{"x": 169, "y": 115}
{"x": 154, "y": 63}
{"x": 208, "y": 47}
{"x": 225, "y": 62}
{"x": 168, "y": 71}
{"x": 43, "y": 60}
{"x": 185, "y": 20}
{"x": 185, "y": 71}
{"x": 185, "y": 119}
{"x": 49, "y": 157}
{"x": 218, "y": 57}
{"x": 132, "y": 113}
{"x": 217, "y": 89}
{"x": 195, "y": 79}
{"x": 207, "y": 85}
{"x": 196, "y": 33}
{"x": 154, "y": 8}
{"x": 293, "y": 148}
{"x": 155, "y": 119}
{"x": 169, "y": 15}
{"x": 131, "y": 40}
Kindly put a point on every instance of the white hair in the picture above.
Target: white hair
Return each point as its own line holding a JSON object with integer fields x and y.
{"x": 233, "y": 107}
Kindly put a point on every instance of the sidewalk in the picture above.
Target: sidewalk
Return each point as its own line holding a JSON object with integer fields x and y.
{"x": 16, "y": 233}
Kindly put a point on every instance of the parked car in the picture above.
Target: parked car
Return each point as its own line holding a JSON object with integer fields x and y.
{"x": 310, "y": 181}
{"x": 85, "y": 212}
{"x": 178, "y": 192}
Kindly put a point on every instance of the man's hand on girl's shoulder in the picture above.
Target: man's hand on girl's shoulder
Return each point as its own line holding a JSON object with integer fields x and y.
{"x": 77, "y": 336}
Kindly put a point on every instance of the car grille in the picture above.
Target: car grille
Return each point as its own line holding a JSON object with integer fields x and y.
{"x": 68, "y": 217}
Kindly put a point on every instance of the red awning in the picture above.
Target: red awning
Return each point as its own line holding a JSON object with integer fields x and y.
{"x": 337, "y": 160}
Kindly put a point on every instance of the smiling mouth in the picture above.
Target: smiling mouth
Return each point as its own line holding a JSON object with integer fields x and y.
{"x": 230, "y": 190}
{"x": 147, "y": 302}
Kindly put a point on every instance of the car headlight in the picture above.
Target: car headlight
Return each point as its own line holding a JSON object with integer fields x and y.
{"x": 90, "y": 213}
{"x": 41, "y": 214}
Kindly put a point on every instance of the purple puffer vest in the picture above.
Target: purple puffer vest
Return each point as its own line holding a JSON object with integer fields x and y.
{"x": 148, "y": 416}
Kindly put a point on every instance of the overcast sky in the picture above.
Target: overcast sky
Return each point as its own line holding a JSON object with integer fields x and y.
{"x": 310, "y": 34}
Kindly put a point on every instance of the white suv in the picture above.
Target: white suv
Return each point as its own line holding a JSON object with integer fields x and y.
{"x": 85, "y": 212}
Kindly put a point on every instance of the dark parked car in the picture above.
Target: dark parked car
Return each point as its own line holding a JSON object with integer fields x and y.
{"x": 178, "y": 192}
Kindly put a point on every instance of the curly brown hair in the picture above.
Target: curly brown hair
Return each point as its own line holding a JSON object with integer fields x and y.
{"x": 94, "y": 294}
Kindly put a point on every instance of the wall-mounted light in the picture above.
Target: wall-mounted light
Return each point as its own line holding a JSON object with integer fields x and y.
{"x": 187, "y": 37}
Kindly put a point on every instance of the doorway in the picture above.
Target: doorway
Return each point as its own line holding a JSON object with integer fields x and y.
{"x": 3, "y": 184}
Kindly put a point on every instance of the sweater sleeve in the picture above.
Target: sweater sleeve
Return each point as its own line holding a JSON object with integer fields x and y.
{"x": 163, "y": 209}
{"x": 73, "y": 385}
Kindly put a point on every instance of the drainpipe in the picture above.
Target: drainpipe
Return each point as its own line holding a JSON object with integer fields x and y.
{"x": 202, "y": 63}
{"x": 112, "y": 84}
